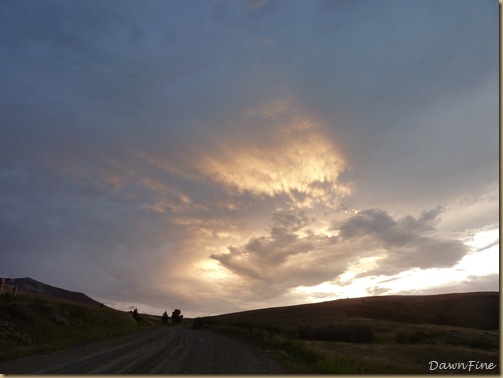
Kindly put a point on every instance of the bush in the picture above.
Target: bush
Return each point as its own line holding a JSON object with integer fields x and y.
{"x": 46, "y": 308}
{"x": 410, "y": 337}
{"x": 268, "y": 327}
{"x": 301, "y": 352}
{"x": 203, "y": 321}
{"x": 245, "y": 325}
{"x": 19, "y": 309}
{"x": 198, "y": 323}
{"x": 176, "y": 316}
{"x": 481, "y": 343}
{"x": 165, "y": 317}
{"x": 351, "y": 333}
{"x": 59, "y": 320}
{"x": 136, "y": 315}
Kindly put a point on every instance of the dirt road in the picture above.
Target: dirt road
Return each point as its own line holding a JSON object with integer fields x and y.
{"x": 163, "y": 350}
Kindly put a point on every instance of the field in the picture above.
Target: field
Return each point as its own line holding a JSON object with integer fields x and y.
{"x": 394, "y": 334}
{"x": 375, "y": 335}
{"x": 30, "y": 325}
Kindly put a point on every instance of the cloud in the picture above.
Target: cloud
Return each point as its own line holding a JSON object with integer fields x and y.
{"x": 473, "y": 283}
{"x": 136, "y": 143}
{"x": 291, "y": 157}
{"x": 379, "y": 224}
{"x": 404, "y": 243}
{"x": 292, "y": 254}
{"x": 299, "y": 252}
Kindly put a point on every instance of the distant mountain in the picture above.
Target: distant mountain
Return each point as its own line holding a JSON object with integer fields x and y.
{"x": 478, "y": 310}
{"x": 29, "y": 285}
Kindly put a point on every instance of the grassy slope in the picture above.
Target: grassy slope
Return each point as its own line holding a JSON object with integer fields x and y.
{"x": 31, "y": 325}
{"x": 409, "y": 331}
{"x": 472, "y": 310}
{"x": 34, "y": 325}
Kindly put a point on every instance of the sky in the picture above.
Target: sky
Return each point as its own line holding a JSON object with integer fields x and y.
{"x": 225, "y": 155}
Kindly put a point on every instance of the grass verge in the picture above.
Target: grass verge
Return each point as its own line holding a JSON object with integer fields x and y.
{"x": 395, "y": 349}
{"x": 32, "y": 325}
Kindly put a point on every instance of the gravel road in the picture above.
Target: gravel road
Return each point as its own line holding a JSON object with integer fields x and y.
{"x": 163, "y": 350}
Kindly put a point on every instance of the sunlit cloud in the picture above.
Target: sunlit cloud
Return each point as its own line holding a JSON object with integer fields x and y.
{"x": 367, "y": 252}
{"x": 297, "y": 162}
{"x": 148, "y": 163}
{"x": 477, "y": 270}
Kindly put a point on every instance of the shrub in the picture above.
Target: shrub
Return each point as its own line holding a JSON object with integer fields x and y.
{"x": 268, "y": 327}
{"x": 244, "y": 325}
{"x": 482, "y": 343}
{"x": 301, "y": 352}
{"x": 46, "y": 308}
{"x": 176, "y": 316}
{"x": 410, "y": 337}
{"x": 165, "y": 317}
{"x": 136, "y": 315}
{"x": 352, "y": 333}
{"x": 19, "y": 309}
{"x": 21, "y": 336}
{"x": 59, "y": 320}
{"x": 200, "y": 322}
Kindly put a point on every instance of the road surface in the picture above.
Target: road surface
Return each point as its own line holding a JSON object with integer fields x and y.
{"x": 162, "y": 350}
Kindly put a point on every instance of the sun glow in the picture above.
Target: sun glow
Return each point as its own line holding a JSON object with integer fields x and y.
{"x": 304, "y": 166}
{"x": 483, "y": 261}
{"x": 333, "y": 290}
{"x": 484, "y": 239}
{"x": 299, "y": 162}
{"x": 212, "y": 270}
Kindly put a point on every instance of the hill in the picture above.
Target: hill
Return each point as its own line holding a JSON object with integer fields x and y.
{"x": 375, "y": 335}
{"x": 478, "y": 310}
{"x": 30, "y": 286}
{"x": 37, "y": 324}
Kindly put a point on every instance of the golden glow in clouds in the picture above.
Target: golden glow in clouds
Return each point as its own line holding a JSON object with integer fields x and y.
{"x": 299, "y": 162}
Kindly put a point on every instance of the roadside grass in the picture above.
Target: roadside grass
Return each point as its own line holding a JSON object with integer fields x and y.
{"x": 302, "y": 357}
{"x": 31, "y": 325}
{"x": 410, "y": 359}
{"x": 395, "y": 348}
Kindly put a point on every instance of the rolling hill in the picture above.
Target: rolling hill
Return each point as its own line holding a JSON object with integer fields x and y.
{"x": 386, "y": 334}
{"x": 30, "y": 286}
{"x": 478, "y": 310}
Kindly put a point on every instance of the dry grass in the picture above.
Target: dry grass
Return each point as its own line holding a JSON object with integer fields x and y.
{"x": 408, "y": 333}
{"x": 30, "y": 325}
{"x": 365, "y": 358}
{"x": 472, "y": 310}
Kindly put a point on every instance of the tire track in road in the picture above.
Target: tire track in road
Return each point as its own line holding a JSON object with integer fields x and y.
{"x": 142, "y": 356}
{"x": 162, "y": 350}
{"x": 161, "y": 358}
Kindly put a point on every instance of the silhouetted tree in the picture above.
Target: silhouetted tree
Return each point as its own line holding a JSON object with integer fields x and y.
{"x": 164, "y": 317}
{"x": 136, "y": 316}
{"x": 176, "y": 316}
